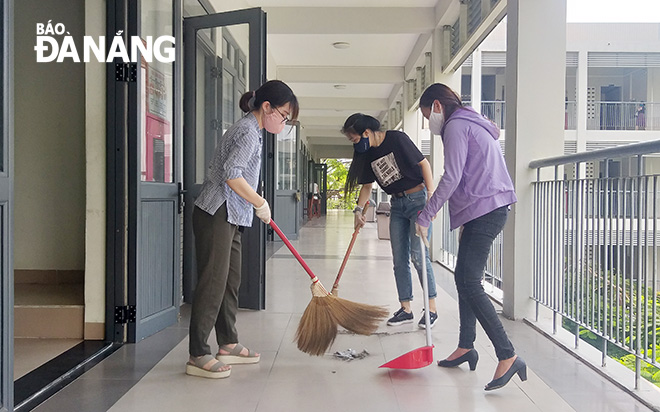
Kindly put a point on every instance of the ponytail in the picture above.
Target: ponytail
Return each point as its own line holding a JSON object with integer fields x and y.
{"x": 276, "y": 92}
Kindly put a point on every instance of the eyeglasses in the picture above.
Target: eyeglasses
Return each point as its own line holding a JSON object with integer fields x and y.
{"x": 284, "y": 118}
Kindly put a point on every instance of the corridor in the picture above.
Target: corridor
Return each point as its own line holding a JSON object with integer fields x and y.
{"x": 149, "y": 376}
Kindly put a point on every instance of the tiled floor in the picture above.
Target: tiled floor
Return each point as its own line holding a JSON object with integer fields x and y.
{"x": 288, "y": 380}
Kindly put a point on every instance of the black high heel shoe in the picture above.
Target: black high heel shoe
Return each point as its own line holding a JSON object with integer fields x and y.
{"x": 518, "y": 367}
{"x": 471, "y": 357}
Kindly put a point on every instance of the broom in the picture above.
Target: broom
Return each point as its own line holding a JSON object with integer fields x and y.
{"x": 317, "y": 329}
{"x": 335, "y": 287}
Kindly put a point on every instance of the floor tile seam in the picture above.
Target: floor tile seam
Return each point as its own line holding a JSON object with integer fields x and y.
{"x": 399, "y": 401}
{"x": 277, "y": 353}
{"x": 522, "y": 389}
{"x": 263, "y": 390}
{"x": 105, "y": 378}
{"x": 389, "y": 375}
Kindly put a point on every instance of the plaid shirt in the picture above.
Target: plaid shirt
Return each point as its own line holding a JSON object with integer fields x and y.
{"x": 237, "y": 155}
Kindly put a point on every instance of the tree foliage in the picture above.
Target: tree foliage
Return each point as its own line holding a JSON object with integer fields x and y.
{"x": 337, "y": 172}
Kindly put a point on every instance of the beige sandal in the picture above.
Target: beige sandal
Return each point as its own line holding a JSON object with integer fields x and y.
{"x": 205, "y": 367}
{"x": 234, "y": 356}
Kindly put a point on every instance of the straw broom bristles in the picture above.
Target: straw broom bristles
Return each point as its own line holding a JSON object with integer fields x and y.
{"x": 317, "y": 329}
{"x": 358, "y": 317}
{"x": 318, "y": 326}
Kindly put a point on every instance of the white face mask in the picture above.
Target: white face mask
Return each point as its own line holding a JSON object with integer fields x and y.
{"x": 436, "y": 121}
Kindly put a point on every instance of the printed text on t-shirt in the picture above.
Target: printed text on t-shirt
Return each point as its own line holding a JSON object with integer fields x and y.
{"x": 386, "y": 169}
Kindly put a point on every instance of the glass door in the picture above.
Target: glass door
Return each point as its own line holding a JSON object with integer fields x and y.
{"x": 224, "y": 56}
{"x": 287, "y": 188}
{"x": 6, "y": 223}
{"x": 154, "y": 175}
{"x": 321, "y": 178}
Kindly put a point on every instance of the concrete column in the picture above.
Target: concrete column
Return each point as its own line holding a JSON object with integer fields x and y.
{"x": 463, "y": 25}
{"x": 485, "y": 9}
{"x": 411, "y": 125}
{"x": 476, "y": 80}
{"x": 581, "y": 101}
{"x": 652, "y": 95}
{"x": 441, "y": 48}
{"x": 535, "y": 86}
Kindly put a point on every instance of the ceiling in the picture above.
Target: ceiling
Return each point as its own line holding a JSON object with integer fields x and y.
{"x": 387, "y": 38}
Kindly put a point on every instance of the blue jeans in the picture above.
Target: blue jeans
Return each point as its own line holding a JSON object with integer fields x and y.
{"x": 473, "y": 303}
{"x": 405, "y": 244}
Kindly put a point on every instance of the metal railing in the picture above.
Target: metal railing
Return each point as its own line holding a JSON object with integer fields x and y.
{"x": 570, "y": 121}
{"x": 448, "y": 242}
{"x": 494, "y": 110}
{"x": 596, "y": 242}
{"x": 600, "y": 115}
{"x": 623, "y": 116}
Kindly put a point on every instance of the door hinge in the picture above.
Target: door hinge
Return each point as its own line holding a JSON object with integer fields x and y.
{"x": 215, "y": 124}
{"x": 181, "y": 202}
{"x": 124, "y": 314}
{"x": 126, "y": 72}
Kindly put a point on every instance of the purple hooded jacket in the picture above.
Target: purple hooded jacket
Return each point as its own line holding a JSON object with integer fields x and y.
{"x": 476, "y": 180}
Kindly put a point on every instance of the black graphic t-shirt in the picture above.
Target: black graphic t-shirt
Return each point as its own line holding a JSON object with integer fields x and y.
{"x": 394, "y": 164}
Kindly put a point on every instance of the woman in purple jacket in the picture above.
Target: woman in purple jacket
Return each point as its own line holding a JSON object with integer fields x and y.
{"x": 479, "y": 190}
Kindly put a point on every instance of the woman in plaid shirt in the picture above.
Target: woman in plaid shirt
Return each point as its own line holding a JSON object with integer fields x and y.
{"x": 223, "y": 208}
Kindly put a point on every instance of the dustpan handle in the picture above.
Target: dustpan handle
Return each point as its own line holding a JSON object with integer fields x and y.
{"x": 293, "y": 250}
{"x": 423, "y": 244}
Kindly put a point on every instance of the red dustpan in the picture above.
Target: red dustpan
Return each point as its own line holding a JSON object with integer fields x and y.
{"x": 423, "y": 356}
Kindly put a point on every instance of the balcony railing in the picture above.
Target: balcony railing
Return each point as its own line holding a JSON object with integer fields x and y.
{"x": 448, "y": 242}
{"x": 600, "y": 115}
{"x": 570, "y": 120}
{"x": 494, "y": 110}
{"x": 623, "y": 116}
{"x": 595, "y": 251}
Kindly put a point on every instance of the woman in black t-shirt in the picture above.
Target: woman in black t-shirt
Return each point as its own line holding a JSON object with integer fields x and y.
{"x": 392, "y": 159}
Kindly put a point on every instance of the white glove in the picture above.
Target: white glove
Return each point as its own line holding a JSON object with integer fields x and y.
{"x": 421, "y": 231}
{"x": 263, "y": 212}
{"x": 359, "y": 220}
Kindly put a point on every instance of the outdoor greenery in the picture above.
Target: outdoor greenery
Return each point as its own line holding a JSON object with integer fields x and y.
{"x": 337, "y": 172}
{"x": 617, "y": 316}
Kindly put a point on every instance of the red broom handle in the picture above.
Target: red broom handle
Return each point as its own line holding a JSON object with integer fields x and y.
{"x": 348, "y": 252}
{"x": 293, "y": 250}
{"x": 350, "y": 247}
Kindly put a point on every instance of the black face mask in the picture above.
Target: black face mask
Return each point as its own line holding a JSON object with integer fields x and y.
{"x": 362, "y": 146}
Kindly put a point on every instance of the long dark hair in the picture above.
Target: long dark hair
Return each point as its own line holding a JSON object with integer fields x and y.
{"x": 357, "y": 123}
{"x": 276, "y": 92}
{"x": 448, "y": 98}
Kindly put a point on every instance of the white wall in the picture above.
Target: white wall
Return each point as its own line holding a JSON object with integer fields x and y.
{"x": 638, "y": 86}
{"x": 613, "y": 37}
{"x": 653, "y": 84}
{"x": 49, "y": 214}
{"x": 95, "y": 246}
